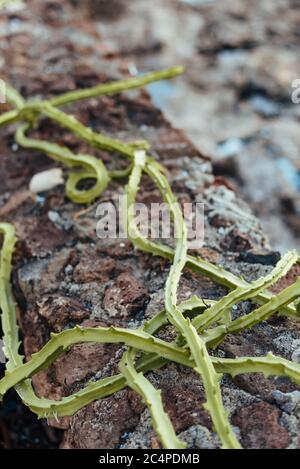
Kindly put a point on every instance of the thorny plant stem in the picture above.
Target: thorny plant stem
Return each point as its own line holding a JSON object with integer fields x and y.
{"x": 91, "y": 167}
{"x": 117, "y": 86}
{"x": 152, "y": 397}
{"x": 196, "y": 345}
{"x": 215, "y": 312}
{"x": 197, "y": 264}
{"x": 155, "y": 352}
{"x": 269, "y": 365}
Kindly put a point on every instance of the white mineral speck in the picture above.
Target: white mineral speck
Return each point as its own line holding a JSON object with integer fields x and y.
{"x": 46, "y": 180}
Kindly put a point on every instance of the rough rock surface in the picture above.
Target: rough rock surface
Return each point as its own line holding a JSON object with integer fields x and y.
{"x": 64, "y": 275}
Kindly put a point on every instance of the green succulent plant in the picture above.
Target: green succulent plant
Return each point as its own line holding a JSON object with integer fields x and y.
{"x": 144, "y": 351}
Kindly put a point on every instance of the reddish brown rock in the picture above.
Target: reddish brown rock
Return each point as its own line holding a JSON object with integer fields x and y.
{"x": 103, "y": 423}
{"x": 287, "y": 280}
{"x": 80, "y": 363}
{"x": 94, "y": 269}
{"x": 255, "y": 384}
{"x": 260, "y": 427}
{"x": 61, "y": 311}
{"x": 236, "y": 241}
{"x": 125, "y": 296}
{"x": 183, "y": 397}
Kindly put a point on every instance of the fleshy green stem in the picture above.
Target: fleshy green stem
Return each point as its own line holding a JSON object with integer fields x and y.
{"x": 197, "y": 347}
{"x": 91, "y": 167}
{"x": 117, "y": 86}
{"x": 247, "y": 292}
{"x": 152, "y": 398}
{"x": 155, "y": 352}
{"x": 289, "y": 294}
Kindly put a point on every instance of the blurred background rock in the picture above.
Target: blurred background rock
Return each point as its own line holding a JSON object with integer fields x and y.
{"x": 235, "y": 98}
